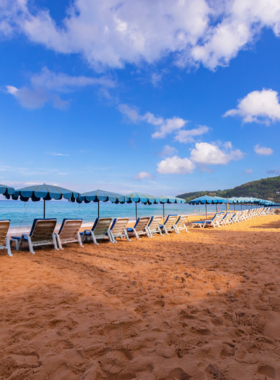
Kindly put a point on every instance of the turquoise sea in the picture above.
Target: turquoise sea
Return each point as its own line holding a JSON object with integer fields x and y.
{"x": 21, "y": 214}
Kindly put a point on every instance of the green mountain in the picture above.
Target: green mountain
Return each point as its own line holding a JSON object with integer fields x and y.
{"x": 268, "y": 188}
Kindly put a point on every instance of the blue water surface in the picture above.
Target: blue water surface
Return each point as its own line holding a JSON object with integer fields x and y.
{"x": 21, "y": 214}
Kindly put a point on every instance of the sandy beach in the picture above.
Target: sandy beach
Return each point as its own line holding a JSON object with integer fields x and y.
{"x": 203, "y": 305}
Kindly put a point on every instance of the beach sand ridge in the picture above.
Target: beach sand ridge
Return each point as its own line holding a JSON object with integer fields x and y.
{"x": 203, "y": 305}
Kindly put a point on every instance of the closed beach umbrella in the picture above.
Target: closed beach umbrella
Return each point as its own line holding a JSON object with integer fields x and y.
{"x": 101, "y": 196}
{"x": 45, "y": 192}
{"x": 167, "y": 199}
{"x": 141, "y": 198}
{"x": 7, "y": 191}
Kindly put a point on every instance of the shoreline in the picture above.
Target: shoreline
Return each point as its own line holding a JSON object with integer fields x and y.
{"x": 17, "y": 230}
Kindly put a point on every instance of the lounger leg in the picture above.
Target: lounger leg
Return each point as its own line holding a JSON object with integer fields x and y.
{"x": 93, "y": 238}
{"x": 8, "y": 245}
{"x": 111, "y": 237}
{"x": 58, "y": 241}
{"x": 165, "y": 230}
{"x": 54, "y": 242}
{"x": 30, "y": 245}
{"x": 175, "y": 229}
{"x": 148, "y": 233}
{"x": 126, "y": 234}
{"x": 79, "y": 239}
{"x": 16, "y": 244}
{"x": 159, "y": 230}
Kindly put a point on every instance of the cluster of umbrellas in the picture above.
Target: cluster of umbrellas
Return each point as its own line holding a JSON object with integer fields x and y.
{"x": 206, "y": 199}
{"x": 47, "y": 192}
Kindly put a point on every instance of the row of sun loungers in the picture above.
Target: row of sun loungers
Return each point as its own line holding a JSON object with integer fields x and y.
{"x": 43, "y": 233}
{"x": 221, "y": 219}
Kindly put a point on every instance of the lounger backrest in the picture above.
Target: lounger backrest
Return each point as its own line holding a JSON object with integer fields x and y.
{"x": 219, "y": 217}
{"x": 118, "y": 225}
{"x": 141, "y": 223}
{"x": 215, "y": 217}
{"x": 170, "y": 221}
{"x": 4, "y": 227}
{"x": 155, "y": 222}
{"x": 182, "y": 221}
{"x": 70, "y": 228}
{"x": 101, "y": 226}
{"x": 227, "y": 216}
{"x": 42, "y": 230}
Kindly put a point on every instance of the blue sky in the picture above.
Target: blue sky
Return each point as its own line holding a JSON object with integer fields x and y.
{"x": 133, "y": 96}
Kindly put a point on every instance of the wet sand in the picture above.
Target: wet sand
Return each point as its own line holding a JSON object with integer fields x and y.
{"x": 203, "y": 305}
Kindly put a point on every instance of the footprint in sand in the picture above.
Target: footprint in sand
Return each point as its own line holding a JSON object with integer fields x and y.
{"x": 116, "y": 365}
{"x": 178, "y": 374}
{"x": 268, "y": 371}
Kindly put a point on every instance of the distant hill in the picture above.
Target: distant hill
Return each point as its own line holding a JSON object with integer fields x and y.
{"x": 268, "y": 188}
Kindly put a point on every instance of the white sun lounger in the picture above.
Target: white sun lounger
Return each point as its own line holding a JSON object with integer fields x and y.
{"x": 170, "y": 224}
{"x": 100, "y": 230}
{"x": 41, "y": 233}
{"x": 181, "y": 223}
{"x": 69, "y": 232}
{"x": 236, "y": 217}
{"x": 214, "y": 222}
{"x": 227, "y": 219}
{"x": 140, "y": 227}
{"x": 154, "y": 226}
{"x": 118, "y": 229}
{"x": 4, "y": 240}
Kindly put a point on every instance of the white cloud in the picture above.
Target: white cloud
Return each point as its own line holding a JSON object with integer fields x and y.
{"x": 35, "y": 98}
{"x": 258, "y": 106}
{"x": 168, "y": 151}
{"x": 164, "y": 126}
{"x": 262, "y": 151}
{"x": 57, "y": 154}
{"x": 175, "y": 165}
{"x": 187, "y": 136}
{"x": 46, "y": 86}
{"x": 113, "y": 33}
{"x": 168, "y": 126}
{"x": 143, "y": 175}
{"x": 248, "y": 171}
{"x": 156, "y": 78}
{"x": 210, "y": 154}
{"x": 130, "y": 112}
{"x": 63, "y": 82}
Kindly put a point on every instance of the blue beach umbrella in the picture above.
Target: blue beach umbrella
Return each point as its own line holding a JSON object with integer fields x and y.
{"x": 205, "y": 200}
{"x": 167, "y": 199}
{"x": 141, "y": 198}
{"x": 45, "y": 192}
{"x": 101, "y": 196}
{"x": 7, "y": 191}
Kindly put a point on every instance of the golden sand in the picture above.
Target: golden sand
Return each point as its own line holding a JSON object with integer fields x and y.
{"x": 203, "y": 305}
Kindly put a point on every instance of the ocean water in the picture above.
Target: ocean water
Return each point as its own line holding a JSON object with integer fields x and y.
{"x": 21, "y": 214}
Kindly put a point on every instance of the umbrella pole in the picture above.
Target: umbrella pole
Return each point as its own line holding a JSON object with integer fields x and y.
{"x": 44, "y": 209}
{"x": 216, "y": 207}
{"x": 136, "y": 210}
{"x": 206, "y": 210}
{"x": 163, "y": 212}
{"x": 98, "y": 209}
